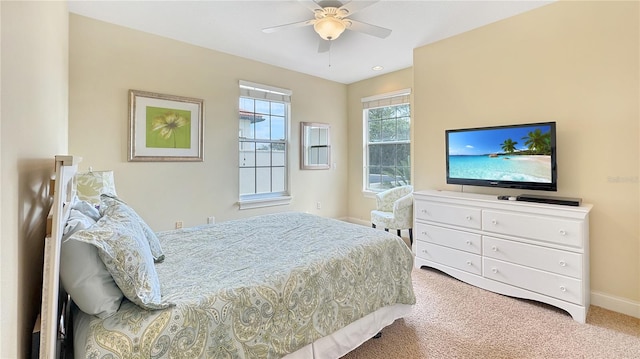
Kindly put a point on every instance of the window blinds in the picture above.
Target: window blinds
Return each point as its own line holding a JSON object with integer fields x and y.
{"x": 264, "y": 92}
{"x": 389, "y": 99}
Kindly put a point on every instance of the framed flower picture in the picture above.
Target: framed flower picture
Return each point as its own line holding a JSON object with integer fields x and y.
{"x": 164, "y": 127}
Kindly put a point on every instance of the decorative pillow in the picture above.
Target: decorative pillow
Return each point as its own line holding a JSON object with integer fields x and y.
{"x": 83, "y": 274}
{"x": 90, "y": 185}
{"x": 152, "y": 238}
{"x": 77, "y": 221}
{"x": 124, "y": 250}
{"x": 85, "y": 208}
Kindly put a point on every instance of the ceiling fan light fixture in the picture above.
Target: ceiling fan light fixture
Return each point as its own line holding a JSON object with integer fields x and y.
{"x": 329, "y": 28}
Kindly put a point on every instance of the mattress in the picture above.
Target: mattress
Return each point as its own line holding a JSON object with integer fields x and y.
{"x": 264, "y": 287}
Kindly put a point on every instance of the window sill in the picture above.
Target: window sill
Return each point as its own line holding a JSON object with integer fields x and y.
{"x": 264, "y": 202}
{"x": 369, "y": 194}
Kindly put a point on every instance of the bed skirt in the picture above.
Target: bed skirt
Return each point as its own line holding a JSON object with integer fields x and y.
{"x": 353, "y": 335}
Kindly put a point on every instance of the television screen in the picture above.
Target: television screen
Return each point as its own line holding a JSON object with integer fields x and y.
{"x": 515, "y": 156}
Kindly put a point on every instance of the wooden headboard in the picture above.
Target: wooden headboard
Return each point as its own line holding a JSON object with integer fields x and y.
{"x": 63, "y": 192}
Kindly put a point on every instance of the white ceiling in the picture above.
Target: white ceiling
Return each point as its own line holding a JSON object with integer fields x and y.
{"x": 234, "y": 27}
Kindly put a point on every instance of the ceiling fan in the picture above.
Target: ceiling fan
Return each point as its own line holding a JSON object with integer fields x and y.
{"x": 331, "y": 20}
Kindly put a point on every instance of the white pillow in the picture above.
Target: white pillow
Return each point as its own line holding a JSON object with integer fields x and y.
{"x": 86, "y": 208}
{"x": 83, "y": 274}
{"x": 77, "y": 221}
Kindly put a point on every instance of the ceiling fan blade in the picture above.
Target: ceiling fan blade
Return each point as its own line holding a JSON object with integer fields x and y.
{"x": 311, "y": 5}
{"x": 324, "y": 46}
{"x": 355, "y": 6}
{"x": 269, "y": 30}
{"x": 369, "y": 29}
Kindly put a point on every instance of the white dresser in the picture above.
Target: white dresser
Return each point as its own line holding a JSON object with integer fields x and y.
{"x": 527, "y": 250}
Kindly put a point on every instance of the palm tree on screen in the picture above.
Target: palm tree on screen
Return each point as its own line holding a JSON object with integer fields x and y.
{"x": 538, "y": 142}
{"x": 509, "y": 145}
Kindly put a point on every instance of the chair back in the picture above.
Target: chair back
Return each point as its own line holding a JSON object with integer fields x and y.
{"x": 386, "y": 199}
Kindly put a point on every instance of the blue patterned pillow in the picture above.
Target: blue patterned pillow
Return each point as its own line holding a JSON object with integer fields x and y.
{"x": 124, "y": 249}
{"x": 154, "y": 242}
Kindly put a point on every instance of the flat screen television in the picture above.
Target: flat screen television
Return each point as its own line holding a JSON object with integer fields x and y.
{"x": 519, "y": 156}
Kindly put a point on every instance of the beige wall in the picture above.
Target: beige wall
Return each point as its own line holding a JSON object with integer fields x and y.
{"x": 576, "y": 63}
{"x": 107, "y": 60}
{"x": 33, "y": 129}
{"x": 360, "y": 204}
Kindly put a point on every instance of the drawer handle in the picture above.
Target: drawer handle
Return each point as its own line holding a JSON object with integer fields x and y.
{"x": 563, "y": 232}
{"x": 468, "y": 218}
{"x": 468, "y": 243}
{"x": 468, "y": 263}
{"x": 562, "y": 263}
{"x": 425, "y": 233}
{"x": 494, "y": 248}
{"x": 494, "y": 221}
{"x": 563, "y": 289}
{"x": 494, "y": 270}
{"x": 425, "y": 251}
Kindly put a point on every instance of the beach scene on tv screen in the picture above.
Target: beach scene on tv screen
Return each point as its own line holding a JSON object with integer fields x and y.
{"x": 520, "y": 154}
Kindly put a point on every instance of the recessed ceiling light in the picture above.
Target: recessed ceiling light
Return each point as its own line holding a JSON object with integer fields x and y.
{"x": 377, "y": 68}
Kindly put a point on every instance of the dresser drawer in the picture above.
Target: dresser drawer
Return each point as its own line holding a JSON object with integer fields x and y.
{"x": 464, "y": 241}
{"x": 455, "y": 215}
{"x": 464, "y": 261}
{"x": 552, "y": 260}
{"x": 553, "y": 230}
{"x": 553, "y": 285}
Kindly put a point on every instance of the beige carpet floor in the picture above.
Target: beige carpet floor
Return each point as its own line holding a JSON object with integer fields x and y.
{"x": 452, "y": 319}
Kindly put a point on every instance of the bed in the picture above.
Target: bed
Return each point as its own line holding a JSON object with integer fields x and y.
{"x": 286, "y": 285}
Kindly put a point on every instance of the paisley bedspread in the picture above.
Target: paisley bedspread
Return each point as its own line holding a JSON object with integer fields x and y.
{"x": 260, "y": 287}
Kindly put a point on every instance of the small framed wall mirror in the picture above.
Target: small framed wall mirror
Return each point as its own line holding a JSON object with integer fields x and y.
{"x": 315, "y": 146}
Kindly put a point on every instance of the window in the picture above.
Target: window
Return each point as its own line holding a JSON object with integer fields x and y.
{"x": 387, "y": 141}
{"x": 263, "y": 134}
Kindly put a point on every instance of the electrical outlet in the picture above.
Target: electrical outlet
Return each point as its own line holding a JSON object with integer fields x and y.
{"x": 179, "y": 224}
{"x": 318, "y": 205}
{"x": 211, "y": 220}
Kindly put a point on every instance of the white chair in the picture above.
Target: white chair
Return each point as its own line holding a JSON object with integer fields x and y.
{"x": 394, "y": 210}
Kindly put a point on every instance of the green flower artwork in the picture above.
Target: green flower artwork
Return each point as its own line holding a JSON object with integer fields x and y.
{"x": 168, "y": 128}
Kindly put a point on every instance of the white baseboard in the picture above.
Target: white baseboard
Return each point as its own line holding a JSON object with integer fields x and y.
{"x": 357, "y": 221}
{"x": 616, "y": 304}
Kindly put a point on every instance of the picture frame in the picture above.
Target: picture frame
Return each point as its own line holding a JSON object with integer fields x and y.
{"x": 165, "y": 128}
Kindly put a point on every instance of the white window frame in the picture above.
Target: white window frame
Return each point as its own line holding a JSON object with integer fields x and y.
{"x": 273, "y": 94}
{"x": 389, "y": 99}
